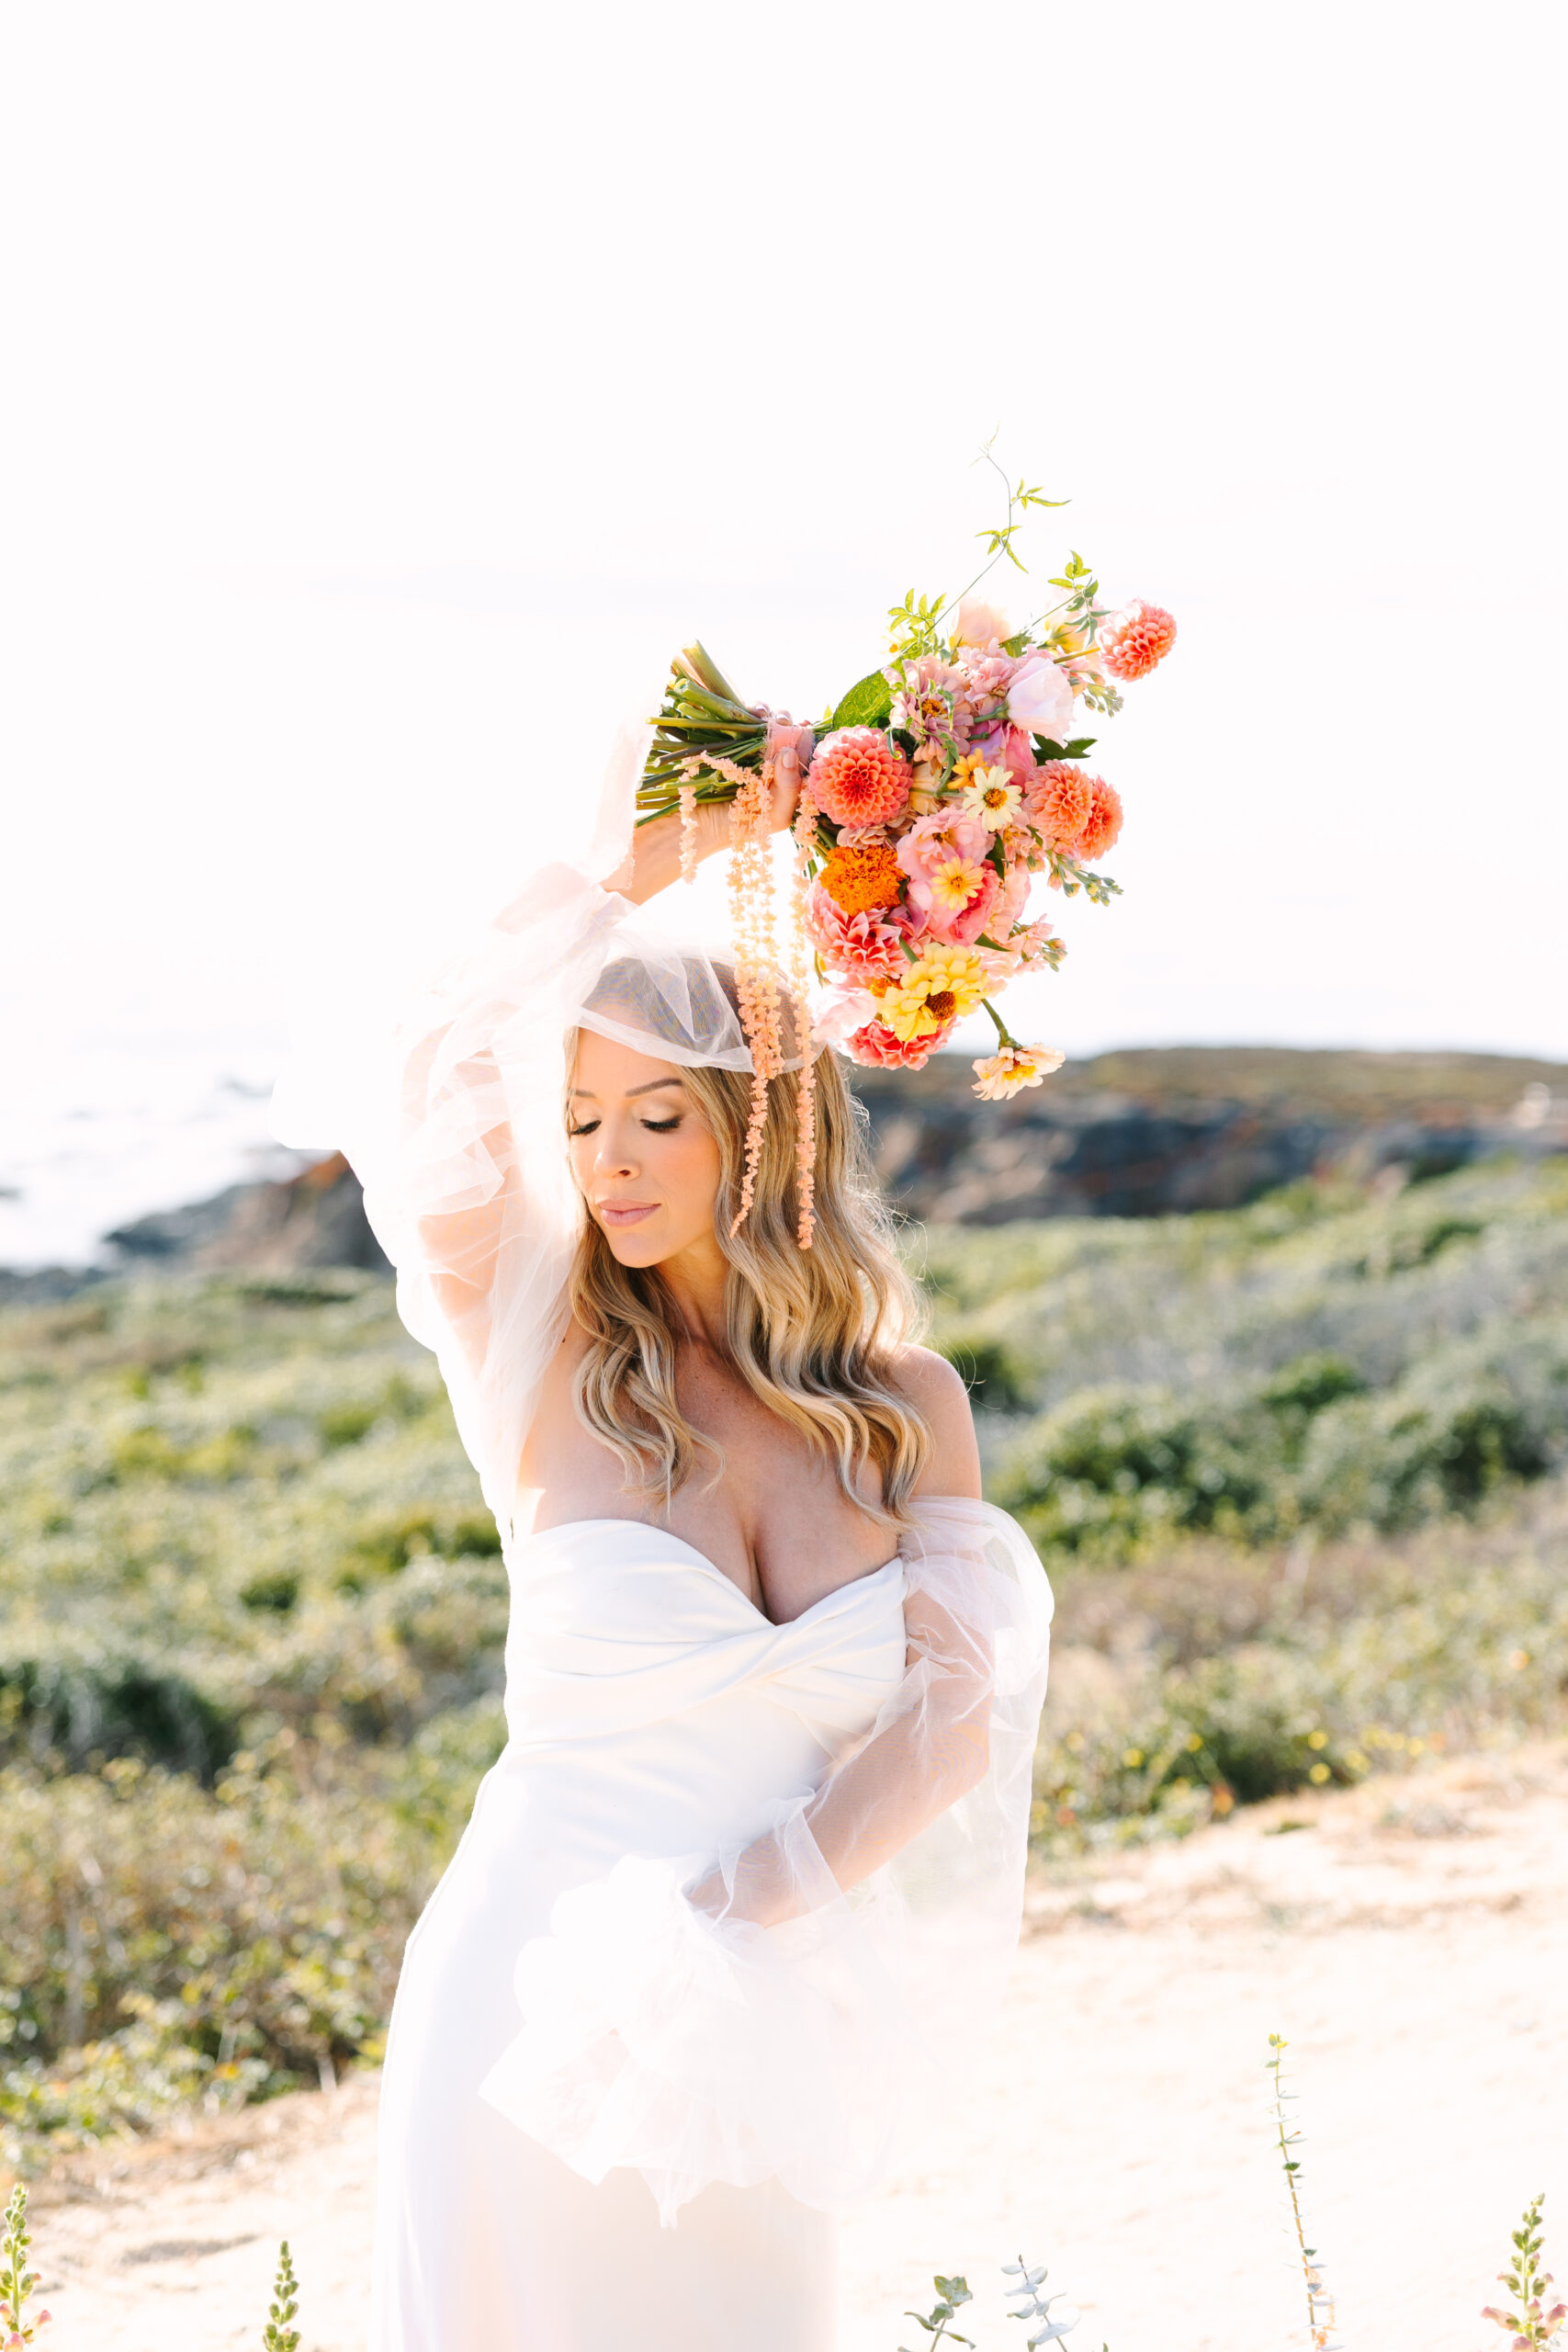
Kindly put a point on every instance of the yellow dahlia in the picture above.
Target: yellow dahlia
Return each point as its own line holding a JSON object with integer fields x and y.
{"x": 946, "y": 983}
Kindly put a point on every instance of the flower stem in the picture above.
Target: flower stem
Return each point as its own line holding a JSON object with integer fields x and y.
{"x": 997, "y": 1022}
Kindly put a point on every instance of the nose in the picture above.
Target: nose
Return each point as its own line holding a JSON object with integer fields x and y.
{"x": 614, "y": 1156}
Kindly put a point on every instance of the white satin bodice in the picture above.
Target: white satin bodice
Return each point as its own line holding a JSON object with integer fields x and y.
{"x": 653, "y": 1708}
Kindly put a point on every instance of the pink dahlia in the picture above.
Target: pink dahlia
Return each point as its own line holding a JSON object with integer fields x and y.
{"x": 876, "y": 1047}
{"x": 859, "y": 945}
{"x": 857, "y": 778}
{"x": 1134, "y": 639}
{"x": 1058, "y": 802}
{"x": 1102, "y": 826}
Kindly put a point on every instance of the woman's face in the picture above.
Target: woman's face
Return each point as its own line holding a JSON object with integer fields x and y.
{"x": 647, "y": 1164}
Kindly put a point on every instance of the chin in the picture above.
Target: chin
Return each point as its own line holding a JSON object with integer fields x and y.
{"x": 634, "y": 1245}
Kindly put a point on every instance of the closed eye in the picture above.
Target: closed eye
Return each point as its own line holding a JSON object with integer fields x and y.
{"x": 585, "y": 1129}
{"x": 663, "y": 1126}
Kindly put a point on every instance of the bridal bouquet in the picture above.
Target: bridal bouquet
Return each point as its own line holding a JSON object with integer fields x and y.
{"x": 940, "y": 787}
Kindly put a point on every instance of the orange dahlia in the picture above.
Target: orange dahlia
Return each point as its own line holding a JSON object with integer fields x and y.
{"x": 1134, "y": 639}
{"x": 857, "y": 778}
{"x": 1102, "y": 826}
{"x": 1059, "y": 800}
{"x": 861, "y": 876}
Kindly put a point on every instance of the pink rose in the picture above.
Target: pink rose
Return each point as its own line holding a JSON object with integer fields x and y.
{"x": 978, "y": 623}
{"x": 1008, "y": 746}
{"x": 1039, "y": 699}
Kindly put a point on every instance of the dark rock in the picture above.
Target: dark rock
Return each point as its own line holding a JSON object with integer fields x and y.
{"x": 1154, "y": 1133}
{"x": 316, "y": 1218}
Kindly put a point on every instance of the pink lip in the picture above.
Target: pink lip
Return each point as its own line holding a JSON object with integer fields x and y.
{"x": 626, "y": 1212}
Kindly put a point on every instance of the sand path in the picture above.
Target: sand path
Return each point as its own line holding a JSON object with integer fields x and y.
{"x": 1412, "y": 1942}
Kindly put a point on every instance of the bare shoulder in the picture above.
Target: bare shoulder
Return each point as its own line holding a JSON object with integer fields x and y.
{"x": 938, "y": 1393}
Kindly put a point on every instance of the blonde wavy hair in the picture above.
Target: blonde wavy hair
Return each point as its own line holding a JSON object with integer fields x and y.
{"x": 812, "y": 1332}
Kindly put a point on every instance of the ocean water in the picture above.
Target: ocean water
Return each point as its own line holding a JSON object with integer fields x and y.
{"x": 102, "y": 1126}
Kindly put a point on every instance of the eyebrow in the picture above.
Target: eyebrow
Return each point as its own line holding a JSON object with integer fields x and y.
{"x": 649, "y": 1088}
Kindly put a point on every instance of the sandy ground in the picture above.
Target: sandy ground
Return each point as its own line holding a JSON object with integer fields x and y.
{"x": 1410, "y": 1938}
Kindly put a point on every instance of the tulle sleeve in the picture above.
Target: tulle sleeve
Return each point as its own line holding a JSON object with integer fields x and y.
{"x": 790, "y": 2008}
{"x": 458, "y": 1139}
{"x": 453, "y": 1114}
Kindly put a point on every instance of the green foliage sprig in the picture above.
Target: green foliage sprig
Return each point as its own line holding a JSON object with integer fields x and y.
{"x": 1535, "y": 2325}
{"x": 280, "y": 2335}
{"x": 18, "y": 2280}
{"x": 951, "y": 2293}
{"x": 1319, "y": 2302}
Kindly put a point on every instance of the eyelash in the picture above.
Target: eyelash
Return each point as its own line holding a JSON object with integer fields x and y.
{"x": 654, "y": 1126}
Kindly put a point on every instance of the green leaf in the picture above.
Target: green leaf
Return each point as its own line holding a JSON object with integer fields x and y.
{"x": 869, "y": 703}
{"x": 1073, "y": 751}
{"x": 1015, "y": 645}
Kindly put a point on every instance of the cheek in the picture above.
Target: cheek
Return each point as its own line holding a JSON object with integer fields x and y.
{"x": 690, "y": 1171}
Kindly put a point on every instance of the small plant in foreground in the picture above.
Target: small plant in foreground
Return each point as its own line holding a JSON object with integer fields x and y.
{"x": 279, "y": 2335}
{"x": 1319, "y": 2302}
{"x": 1031, "y": 2305}
{"x": 1532, "y": 2327}
{"x": 16, "y": 2282}
{"x": 949, "y": 2292}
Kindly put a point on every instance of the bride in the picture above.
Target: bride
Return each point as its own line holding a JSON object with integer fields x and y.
{"x": 750, "y": 1863}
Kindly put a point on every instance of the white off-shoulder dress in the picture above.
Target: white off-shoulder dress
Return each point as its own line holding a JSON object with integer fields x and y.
{"x": 610, "y": 2117}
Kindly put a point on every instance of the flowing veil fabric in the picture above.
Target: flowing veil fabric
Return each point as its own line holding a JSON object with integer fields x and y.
{"x": 785, "y": 2006}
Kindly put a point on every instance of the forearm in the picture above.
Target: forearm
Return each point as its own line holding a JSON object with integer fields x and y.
{"x": 864, "y": 1814}
{"x": 654, "y": 860}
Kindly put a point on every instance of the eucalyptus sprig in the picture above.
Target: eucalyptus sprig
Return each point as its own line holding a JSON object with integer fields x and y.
{"x": 950, "y": 2294}
{"x": 1033, "y": 2305}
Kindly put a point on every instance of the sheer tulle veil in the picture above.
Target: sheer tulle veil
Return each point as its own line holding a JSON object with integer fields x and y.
{"x": 800, "y": 2021}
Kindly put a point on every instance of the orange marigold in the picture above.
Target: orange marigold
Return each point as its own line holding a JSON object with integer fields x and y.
{"x": 862, "y": 875}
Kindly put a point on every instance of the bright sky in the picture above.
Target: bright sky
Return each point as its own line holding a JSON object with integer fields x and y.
{"x": 391, "y": 385}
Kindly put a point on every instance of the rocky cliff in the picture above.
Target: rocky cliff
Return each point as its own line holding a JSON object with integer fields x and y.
{"x": 1149, "y": 1133}
{"x": 1138, "y": 1133}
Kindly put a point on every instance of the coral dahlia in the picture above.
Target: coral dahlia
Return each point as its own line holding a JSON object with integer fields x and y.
{"x": 863, "y": 874}
{"x": 857, "y": 778}
{"x": 1134, "y": 639}
{"x": 1102, "y": 826}
{"x": 1058, "y": 802}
